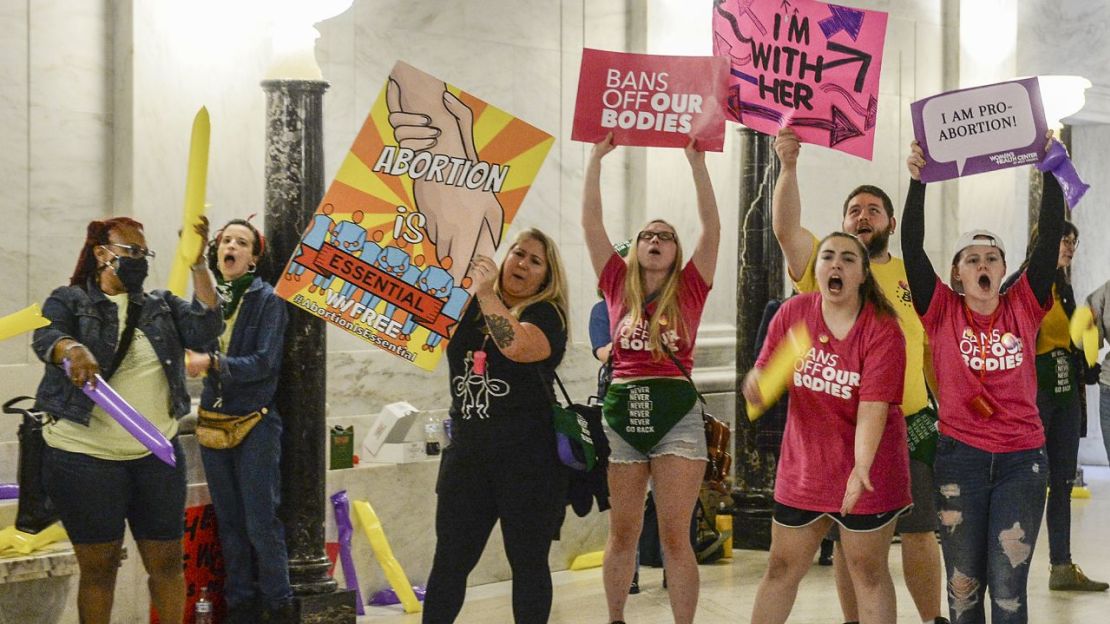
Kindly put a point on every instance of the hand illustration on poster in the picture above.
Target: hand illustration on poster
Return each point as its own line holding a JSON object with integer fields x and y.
{"x": 804, "y": 64}
{"x": 434, "y": 177}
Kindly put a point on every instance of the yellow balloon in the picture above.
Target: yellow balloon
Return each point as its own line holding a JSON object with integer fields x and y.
{"x": 6, "y": 535}
{"x": 27, "y": 543}
{"x": 196, "y": 184}
{"x": 25, "y": 320}
{"x": 773, "y": 378}
{"x": 372, "y": 526}
{"x": 1084, "y": 334}
{"x": 588, "y": 560}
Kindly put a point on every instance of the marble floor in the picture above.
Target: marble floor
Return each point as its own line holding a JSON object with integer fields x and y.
{"x": 728, "y": 588}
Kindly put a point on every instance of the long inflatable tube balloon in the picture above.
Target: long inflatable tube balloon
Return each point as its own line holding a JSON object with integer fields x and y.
{"x": 372, "y": 526}
{"x": 25, "y": 320}
{"x": 27, "y": 543}
{"x": 1084, "y": 334}
{"x": 9, "y": 490}
{"x": 6, "y": 538}
{"x": 345, "y": 528}
{"x": 196, "y": 183}
{"x": 129, "y": 418}
{"x": 773, "y": 378}
{"x": 1059, "y": 164}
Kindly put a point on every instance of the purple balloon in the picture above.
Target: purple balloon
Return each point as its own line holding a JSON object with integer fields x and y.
{"x": 343, "y": 525}
{"x": 129, "y": 418}
{"x": 1057, "y": 162}
{"x": 9, "y": 490}
{"x": 387, "y": 596}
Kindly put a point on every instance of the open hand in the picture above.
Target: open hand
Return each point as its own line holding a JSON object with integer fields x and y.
{"x": 858, "y": 481}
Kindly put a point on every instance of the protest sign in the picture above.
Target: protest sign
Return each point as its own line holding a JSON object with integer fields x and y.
{"x": 804, "y": 64}
{"x": 980, "y": 129}
{"x": 203, "y": 560}
{"x": 651, "y": 100}
{"x": 435, "y": 176}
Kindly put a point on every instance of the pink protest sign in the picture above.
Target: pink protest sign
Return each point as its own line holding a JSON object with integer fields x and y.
{"x": 804, "y": 64}
{"x": 651, "y": 100}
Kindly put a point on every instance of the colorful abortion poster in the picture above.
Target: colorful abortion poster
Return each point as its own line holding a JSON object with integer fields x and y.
{"x": 651, "y": 100}
{"x": 804, "y": 64}
{"x": 980, "y": 129}
{"x": 434, "y": 177}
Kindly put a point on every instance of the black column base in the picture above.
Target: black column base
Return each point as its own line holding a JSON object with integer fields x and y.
{"x": 751, "y": 522}
{"x": 337, "y": 607}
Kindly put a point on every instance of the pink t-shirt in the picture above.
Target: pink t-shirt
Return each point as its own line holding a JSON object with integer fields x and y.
{"x": 1008, "y": 339}
{"x": 632, "y": 355}
{"x": 818, "y": 445}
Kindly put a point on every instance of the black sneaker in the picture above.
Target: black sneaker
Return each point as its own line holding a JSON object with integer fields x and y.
{"x": 635, "y": 587}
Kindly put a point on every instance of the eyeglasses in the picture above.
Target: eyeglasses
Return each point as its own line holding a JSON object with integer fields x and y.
{"x": 647, "y": 235}
{"x": 133, "y": 251}
{"x": 1070, "y": 242}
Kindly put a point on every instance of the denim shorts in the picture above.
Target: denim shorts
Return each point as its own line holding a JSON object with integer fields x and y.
{"x": 95, "y": 496}
{"x": 685, "y": 439}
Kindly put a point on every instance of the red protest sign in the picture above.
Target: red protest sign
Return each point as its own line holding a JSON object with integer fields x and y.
{"x": 651, "y": 100}
{"x": 203, "y": 562}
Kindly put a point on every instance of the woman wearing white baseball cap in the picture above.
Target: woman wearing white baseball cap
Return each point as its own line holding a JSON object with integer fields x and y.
{"x": 990, "y": 464}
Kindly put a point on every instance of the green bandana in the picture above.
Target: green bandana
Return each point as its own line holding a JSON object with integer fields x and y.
{"x": 1055, "y": 376}
{"x": 232, "y": 292}
{"x": 642, "y": 412}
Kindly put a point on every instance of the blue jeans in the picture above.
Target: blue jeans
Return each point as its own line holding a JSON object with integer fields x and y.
{"x": 245, "y": 484}
{"x": 990, "y": 507}
{"x": 1061, "y": 431}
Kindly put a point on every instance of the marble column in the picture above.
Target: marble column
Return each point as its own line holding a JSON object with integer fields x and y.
{"x": 294, "y": 187}
{"x": 759, "y": 278}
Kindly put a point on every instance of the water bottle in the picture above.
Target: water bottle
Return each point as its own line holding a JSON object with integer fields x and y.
{"x": 431, "y": 436}
{"x": 202, "y": 613}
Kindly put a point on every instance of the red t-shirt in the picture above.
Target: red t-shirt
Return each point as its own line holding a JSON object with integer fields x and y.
{"x": 632, "y": 355}
{"x": 818, "y": 445}
{"x": 1008, "y": 339}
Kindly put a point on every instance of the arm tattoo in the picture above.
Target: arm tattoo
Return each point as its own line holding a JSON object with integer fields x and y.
{"x": 501, "y": 330}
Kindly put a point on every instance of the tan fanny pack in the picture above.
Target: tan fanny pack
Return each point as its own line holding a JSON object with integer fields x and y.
{"x": 220, "y": 431}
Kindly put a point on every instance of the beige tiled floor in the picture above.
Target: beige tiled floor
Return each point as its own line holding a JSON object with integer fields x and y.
{"x": 727, "y": 589}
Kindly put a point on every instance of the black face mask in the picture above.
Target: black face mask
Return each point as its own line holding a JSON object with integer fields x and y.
{"x": 132, "y": 273}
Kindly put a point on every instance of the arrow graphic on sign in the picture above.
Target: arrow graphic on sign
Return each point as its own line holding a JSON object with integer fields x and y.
{"x": 870, "y": 113}
{"x": 745, "y": 7}
{"x": 840, "y": 126}
{"x": 721, "y": 47}
{"x": 854, "y": 56}
{"x": 843, "y": 18}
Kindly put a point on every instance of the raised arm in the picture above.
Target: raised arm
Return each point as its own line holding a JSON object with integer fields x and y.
{"x": 1050, "y": 229}
{"x": 919, "y": 271}
{"x": 593, "y": 225}
{"x": 520, "y": 342}
{"x": 704, "y": 255}
{"x": 786, "y": 207}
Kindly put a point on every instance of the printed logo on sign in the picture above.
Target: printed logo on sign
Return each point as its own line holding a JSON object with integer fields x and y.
{"x": 638, "y": 338}
{"x": 994, "y": 350}
{"x": 821, "y": 372}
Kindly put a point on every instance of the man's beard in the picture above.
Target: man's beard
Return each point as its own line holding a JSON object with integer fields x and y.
{"x": 878, "y": 244}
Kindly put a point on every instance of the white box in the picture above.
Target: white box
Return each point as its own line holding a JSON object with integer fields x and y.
{"x": 391, "y": 425}
{"x": 399, "y": 453}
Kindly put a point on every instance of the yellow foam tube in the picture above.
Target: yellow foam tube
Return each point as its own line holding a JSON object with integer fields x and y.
{"x": 27, "y": 543}
{"x": 6, "y": 538}
{"x": 372, "y": 526}
{"x": 25, "y": 320}
{"x": 196, "y": 184}
{"x": 1084, "y": 334}
{"x": 773, "y": 378}
{"x": 588, "y": 560}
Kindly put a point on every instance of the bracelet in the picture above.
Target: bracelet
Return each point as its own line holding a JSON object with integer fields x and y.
{"x": 200, "y": 265}
{"x": 65, "y": 352}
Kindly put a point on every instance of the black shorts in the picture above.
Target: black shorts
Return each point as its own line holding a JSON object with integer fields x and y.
{"x": 795, "y": 518}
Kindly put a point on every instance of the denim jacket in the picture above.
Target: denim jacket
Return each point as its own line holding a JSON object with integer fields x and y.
{"x": 248, "y": 374}
{"x": 89, "y": 317}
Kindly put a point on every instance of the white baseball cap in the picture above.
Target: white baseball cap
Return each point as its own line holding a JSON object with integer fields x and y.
{"x": 978, "y": 237}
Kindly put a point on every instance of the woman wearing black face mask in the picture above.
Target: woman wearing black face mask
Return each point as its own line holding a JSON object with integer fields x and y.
{"x": 96, "y": 473}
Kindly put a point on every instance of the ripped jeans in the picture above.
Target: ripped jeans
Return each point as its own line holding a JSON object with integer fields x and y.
{"x": 990, "y": 507}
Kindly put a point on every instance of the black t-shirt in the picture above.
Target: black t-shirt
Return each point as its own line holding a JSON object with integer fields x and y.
{"x": 507, "y": 404}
